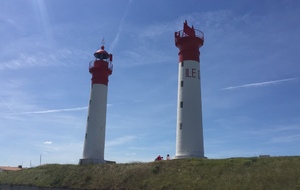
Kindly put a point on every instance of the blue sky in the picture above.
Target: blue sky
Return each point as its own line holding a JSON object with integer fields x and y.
{"x": 249, "y": 70}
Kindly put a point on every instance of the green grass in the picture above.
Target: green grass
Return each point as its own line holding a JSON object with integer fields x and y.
{"x": 235, "y": 173}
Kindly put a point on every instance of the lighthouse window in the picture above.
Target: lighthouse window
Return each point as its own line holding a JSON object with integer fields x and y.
{"x": 181, "y": 104}
{"x": 180, "y": 126}
{"x": 85, "y": 135}
{"x": 181, "y": 83}
{"x": 182, "y": 64}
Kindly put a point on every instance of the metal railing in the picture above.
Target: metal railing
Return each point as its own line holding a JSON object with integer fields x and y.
{"x": 181, "y": 34}
{"x": 110, "y": 66}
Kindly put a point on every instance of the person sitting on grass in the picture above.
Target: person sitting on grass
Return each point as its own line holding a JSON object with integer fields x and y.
{"x": 158, "y": 158}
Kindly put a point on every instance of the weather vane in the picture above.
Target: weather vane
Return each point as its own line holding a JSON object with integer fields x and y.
{"x": 103, "y": 42}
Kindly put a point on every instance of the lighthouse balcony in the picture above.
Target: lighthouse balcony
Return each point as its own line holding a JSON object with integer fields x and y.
{"x": 191, "y": 33}
{"x": 98, "y": 64}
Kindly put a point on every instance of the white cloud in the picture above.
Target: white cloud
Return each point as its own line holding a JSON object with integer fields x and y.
{"x": 6, "y": 105}
{"x": 130, "y": 154}
{"x": 54, "y": 111}
{"x": 116, "y": 39}
{"x": 47, "y": 142}
{"x": 260, "y": 84}
{"x": 286, "y": 139}
{"x": 120, "y": 140}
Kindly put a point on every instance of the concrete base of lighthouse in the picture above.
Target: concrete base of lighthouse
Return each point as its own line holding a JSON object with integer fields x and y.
{"x": 188, "y": 156}
{"x": 91, "y": 161}
{"x": 88, "y": 161}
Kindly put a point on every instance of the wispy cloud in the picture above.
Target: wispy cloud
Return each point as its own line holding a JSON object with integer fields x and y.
{"x": 4, "y": 102}
{"x": 25, "y": 60}
{"x": 259, "y": 84}
{"x": 41, "y": 10}
{"x": 54, "y": 111}
{"x": 286, "y": 139}
{"x": 115, "y": 41}
{"x": 47, "y": 142}
{"x": 121, "y": 140}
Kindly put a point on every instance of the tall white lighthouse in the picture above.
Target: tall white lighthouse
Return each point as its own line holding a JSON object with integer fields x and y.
{"x": 94, "y": 142}
{"x": 189, "y": 132}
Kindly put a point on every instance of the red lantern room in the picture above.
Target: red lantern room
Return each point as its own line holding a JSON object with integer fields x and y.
{"x": 101, "y": 67}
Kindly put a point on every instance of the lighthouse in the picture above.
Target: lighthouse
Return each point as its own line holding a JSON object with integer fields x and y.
{"x": 94, "y": 140}
{"x": 189, "y": 131}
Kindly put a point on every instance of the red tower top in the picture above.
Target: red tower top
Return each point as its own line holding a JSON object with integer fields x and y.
{"x": 189, "y": 40}
{"x": 101, "y": 67}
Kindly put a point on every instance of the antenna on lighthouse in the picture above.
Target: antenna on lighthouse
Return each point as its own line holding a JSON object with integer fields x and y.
{"x": 103, "y": 42}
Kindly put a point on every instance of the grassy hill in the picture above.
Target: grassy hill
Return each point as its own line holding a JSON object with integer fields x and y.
{"x": 212, "y": 174}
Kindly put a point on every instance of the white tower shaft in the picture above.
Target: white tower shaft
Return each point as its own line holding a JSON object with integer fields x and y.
{"x": 189, "y": 112}
{"x": 96, "y": 123}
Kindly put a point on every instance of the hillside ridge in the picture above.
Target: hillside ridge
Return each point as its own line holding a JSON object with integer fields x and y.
{"x": 232, "y": 173}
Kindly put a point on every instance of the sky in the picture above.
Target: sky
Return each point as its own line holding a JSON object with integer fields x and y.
{"x": 250, "y": 77}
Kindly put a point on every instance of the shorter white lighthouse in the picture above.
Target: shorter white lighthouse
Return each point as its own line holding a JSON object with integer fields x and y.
{"x": 189, "y": 132}
{"x": 94, "y": 141}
